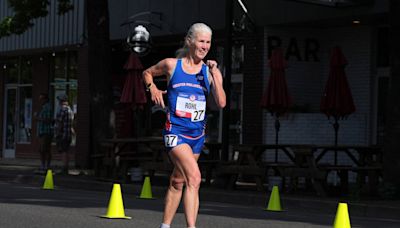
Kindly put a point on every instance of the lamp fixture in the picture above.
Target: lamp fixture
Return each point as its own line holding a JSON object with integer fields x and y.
{"x": 139, "y": 40}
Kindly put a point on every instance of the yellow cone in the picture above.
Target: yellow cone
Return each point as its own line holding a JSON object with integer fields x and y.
{"x": 342, "y": 219}
{"x": 48, "y": 181}
{"x": 274, "y": 203}
{"x": 146, "y": 189}
{"x": 116, "y": 204}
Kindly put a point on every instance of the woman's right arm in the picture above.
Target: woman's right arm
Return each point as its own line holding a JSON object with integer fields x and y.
{"x": 164, "y": 67}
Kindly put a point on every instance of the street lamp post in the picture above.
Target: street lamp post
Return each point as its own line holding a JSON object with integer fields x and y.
{"x": 227, "y": 79}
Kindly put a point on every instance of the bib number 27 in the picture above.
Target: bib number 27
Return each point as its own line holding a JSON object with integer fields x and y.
{"x": 170, "y": 140}
{"x": 197, "y": 115}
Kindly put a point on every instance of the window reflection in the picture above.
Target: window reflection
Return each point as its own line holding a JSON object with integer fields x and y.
{"x": 25, "y": 114}
{"x": 64, "y": 81}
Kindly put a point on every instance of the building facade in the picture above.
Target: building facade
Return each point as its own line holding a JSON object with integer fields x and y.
{"x": 46, "y": 58}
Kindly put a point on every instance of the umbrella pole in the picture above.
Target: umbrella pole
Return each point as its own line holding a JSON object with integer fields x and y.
{"x": 336, "y": 127}
{"x": 277, "y": 126}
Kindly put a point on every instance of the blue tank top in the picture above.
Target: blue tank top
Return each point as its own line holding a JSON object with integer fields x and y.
{"x": 187, "y": 96}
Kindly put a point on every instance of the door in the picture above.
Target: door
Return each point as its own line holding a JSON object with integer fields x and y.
{"x": 10, "y": 122}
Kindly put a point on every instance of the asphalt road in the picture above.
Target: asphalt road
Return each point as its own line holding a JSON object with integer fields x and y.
{"x": 27, "y": 206}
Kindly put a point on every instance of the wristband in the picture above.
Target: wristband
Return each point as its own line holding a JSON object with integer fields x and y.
{"x": 148, "y": 86}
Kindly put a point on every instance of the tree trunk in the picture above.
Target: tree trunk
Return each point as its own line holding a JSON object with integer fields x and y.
{"x": 392, "y": 132}
{"x": 100, "y": 81}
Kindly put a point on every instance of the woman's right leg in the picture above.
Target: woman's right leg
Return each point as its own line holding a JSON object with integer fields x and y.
{"x": 186, "y": 162}
{"x": 187, "y": 172}
{"x": 173, "y": 196}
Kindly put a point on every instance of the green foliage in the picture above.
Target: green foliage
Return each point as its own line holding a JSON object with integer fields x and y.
{"x": 64, "y": 6}
{"x": 27, "y": 10}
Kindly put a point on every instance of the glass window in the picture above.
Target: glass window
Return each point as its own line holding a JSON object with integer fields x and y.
{"x": 11, "y": 95}
{"x": 73, "y": 66}
{"x": 59, "y": 68}
{"x": 18, "y": 78}
{"x": 25, "y": 114}
{"x": 26, "y": 71}
{"x": 11, "y": 71}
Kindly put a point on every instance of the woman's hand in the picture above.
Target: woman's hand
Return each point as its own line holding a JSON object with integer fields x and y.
{"x": 212, "y": 65}
{"x": 157, "y": 95}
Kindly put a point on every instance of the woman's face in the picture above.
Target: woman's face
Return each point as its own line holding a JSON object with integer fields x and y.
{"x": 201, "y": 45}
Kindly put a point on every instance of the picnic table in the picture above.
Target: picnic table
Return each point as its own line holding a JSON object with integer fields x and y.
{"x": 117, "y": 154}
{"x": 303, "y": 161}
{"x": 367, "y": 163}
{"x": 250, "y": 163}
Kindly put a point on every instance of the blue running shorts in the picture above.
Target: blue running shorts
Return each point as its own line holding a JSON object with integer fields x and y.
{"x": 176, "y": 137}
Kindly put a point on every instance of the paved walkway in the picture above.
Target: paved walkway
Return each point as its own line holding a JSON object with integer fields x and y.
{"x": 23, "y": 171}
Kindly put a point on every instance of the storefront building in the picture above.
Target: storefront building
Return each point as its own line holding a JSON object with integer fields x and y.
{"x": 46, "y": 59}
{"x": 42, "y": 60}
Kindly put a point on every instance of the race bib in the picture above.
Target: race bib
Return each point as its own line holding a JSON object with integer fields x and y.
{"x": 170, "y": 140}
{"x": 191, "y": 106}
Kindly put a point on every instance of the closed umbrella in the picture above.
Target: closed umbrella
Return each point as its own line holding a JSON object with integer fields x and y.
{"x": 133, "y": 91}
{"x": 276, "y": 97}
{"x": 337, "y": 101}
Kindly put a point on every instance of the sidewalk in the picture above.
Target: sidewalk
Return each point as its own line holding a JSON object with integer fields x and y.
{"x": 22, "y": 171}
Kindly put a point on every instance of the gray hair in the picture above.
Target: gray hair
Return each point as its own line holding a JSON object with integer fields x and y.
{"x": 191, "y": 35}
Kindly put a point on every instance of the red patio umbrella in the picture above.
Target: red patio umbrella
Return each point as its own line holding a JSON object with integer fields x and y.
{"x": 276, "y": 97}
{"x": 337, "y": 101}
{"x": 133, "y": 91}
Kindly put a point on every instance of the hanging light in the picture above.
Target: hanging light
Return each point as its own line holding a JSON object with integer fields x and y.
{"x": 139, "y": 41}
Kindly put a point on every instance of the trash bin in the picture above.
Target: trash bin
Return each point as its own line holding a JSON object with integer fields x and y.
{"x": 136, "y": 174}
